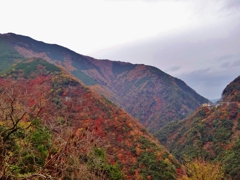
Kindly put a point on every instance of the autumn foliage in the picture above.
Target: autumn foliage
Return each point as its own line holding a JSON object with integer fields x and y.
{"x": 211, "y": 133}
{"x": 146, "y": 93}
{"x": 63, "y": 129}
{"x": 199, "y": 169}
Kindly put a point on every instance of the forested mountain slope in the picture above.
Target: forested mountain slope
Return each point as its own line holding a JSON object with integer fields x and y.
{"x": 232, "y": 92}
{"x": 147, "y": 93}
{"x": 212, "y": 132}
{"x": 53, "y": 126}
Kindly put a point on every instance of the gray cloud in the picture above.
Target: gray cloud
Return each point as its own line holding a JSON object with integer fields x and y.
{"x": 174, "y": 68}
{"x": 232, "y": 4}
{"x": 224, "y": 58}
{"x": 207, "y": 83}
{"x": 206, "y": 58}
{"x": 236, "y": 63}
{"x": 225, "y": 65}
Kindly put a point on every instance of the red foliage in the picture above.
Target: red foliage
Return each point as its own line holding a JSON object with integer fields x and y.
{"x": 83, "y": 109}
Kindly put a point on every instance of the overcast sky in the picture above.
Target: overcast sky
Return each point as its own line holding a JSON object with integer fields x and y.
{"x": 197, "y": 41}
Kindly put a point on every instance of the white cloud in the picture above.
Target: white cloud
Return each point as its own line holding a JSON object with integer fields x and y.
{"x": 90, "y": 25}
{"x": 191, "y": 34}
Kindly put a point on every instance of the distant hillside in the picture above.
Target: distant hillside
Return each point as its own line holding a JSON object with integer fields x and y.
{"x": 148, "y": 94}
{"x": 35, "y": 92}
{"x": 211, "y": 132}
{"x": 232, "y": 91}
{"x": 214, "y": 100}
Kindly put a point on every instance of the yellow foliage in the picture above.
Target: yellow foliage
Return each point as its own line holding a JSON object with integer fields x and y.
{"x": 203, "y": 170}
{"x": 24, "y": 124}
{"x": 159, "y": 156}
{"x": 167, "y": 161}
{"x": 170, "y": 157}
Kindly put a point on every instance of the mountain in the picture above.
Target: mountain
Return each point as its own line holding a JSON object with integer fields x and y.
{"x": 214, "y": 101}
{"x": 232, "y": 92}
{"x": 147, "y": 93}
{"x": 75, "y": 119}
{"x": 212, "y": 132}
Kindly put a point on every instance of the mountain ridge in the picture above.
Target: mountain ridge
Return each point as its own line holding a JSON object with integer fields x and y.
{"x": 147, "y": 93}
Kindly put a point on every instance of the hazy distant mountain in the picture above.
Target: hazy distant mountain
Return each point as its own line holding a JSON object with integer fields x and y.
{"x": 214, "y": 100}
{"x": 147, "y": 93}
{"x": 212, "y": 132}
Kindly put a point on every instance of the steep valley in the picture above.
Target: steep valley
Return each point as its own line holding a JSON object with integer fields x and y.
{"x": 212, "y": 132}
